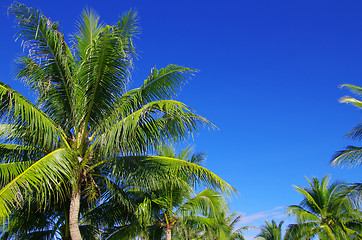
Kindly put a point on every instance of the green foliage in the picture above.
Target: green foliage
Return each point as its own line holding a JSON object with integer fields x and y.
{"x": 327, "y": 211}
{"x": 351, "y": 155}
{"x": 271, "y": 231}
{"x": 87, "y": 132}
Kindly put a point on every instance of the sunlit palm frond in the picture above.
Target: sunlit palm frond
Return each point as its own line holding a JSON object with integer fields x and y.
{"x": 164, "y": 83}
{"x": 208, "y": 203}
{"x": 48, "y": 49}
{"x": 195, "y": 173}
{"x": 160, "y": 85}
{"x": 149, "y": 126}
{"x": 44, "y": 176}
{"x": 17, "y": 110}
{"x": 355, "y": 102}
{"x": 88, "y": 30}
{"x": 353, "y": 88}
{"x": 105, "y": 72}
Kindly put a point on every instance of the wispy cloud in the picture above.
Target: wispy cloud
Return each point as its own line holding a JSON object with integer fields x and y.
{"x": 275, "y": 213}
{"x": 258, "y": 219}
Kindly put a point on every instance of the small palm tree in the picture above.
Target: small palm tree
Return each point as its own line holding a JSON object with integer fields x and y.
{"x": 271, "y": 231}
{"x": 326, "y": 211}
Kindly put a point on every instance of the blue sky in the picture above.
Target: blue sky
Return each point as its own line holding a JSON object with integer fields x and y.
{"x": 269, "y": 77}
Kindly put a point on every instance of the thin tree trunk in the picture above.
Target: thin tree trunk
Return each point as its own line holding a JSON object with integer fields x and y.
{"x": 74, "y": 215}
{"x": 168, "y": 232}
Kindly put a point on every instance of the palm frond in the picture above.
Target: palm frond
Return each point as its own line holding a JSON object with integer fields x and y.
{"x": 352, "y": 88}
{"x": 48, "y": 51}
{"x": 146, "y": 128}
{"x": 301, "y": 214}
{"x": 351, "y": 156}
{"x": 208, "y": 203}
{"x": 105, "y": 72}
{"x": 195, "y": 173}
{"x": 17, "y": 110}
{"x": 164, "y": 83}
{"x": 88, "y": 30}
{"x": 43, "y": 175}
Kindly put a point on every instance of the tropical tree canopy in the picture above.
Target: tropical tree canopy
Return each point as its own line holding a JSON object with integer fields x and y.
{"x": 86, "y": 128}
{"x": 327, "y": 211}
{"x": 271, "y": 231}
{"x": 352, "y": 155}
{"x": 172, "y": 203}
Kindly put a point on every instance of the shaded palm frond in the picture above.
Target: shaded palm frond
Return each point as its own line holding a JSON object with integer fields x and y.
{"x": 351, "y": 156}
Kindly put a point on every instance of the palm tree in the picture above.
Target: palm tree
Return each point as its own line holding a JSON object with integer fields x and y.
{"x": 85, "y": 123}
{"x": 326, "y": 212}
{"x": 352, "y": 155}
{"x": 271, "y": 231}
{"x": 223, "y": 227}
{"x": 172, "y": 200}
{"x": 166, "y": 205}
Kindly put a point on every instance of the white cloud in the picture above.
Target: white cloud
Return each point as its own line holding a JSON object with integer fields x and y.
{"x": 249, "y": 237}
{"x": 259, "y": 218}
{"x": 275, "y": 213}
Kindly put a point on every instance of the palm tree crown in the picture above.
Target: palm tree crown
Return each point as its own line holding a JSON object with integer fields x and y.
{"x": 271, "y": 231}
{"x": 326, "y": 212}
{"x": 86, "y": 127}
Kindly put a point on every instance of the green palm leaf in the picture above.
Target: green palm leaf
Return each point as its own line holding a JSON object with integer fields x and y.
{"x": 18, "y": 110}
{"x": 143, "y": 129}
{"x": 50, "y": 52}
{"x": 43, "y": 175}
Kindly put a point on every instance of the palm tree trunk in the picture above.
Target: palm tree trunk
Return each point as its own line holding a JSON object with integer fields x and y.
{"x": 74, "y": 215}
{"x": 168, "y": 232}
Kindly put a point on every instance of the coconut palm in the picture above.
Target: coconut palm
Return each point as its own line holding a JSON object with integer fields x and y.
{"x": 171, "y": 201}
{"x": 326, "y": 212}
{"x": 85, "y": 124}
{"x": 352, "y": 155}
{"x": 223, "y": 227}
{"x": 271, "y": 231}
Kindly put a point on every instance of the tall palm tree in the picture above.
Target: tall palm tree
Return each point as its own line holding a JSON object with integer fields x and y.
{"x": 85, "y": 123}
{"x": 326, "y": 212}
{"x": 271, "y": 231}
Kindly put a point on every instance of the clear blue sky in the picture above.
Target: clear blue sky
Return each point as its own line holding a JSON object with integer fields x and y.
{"x": 269, "y": 77}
